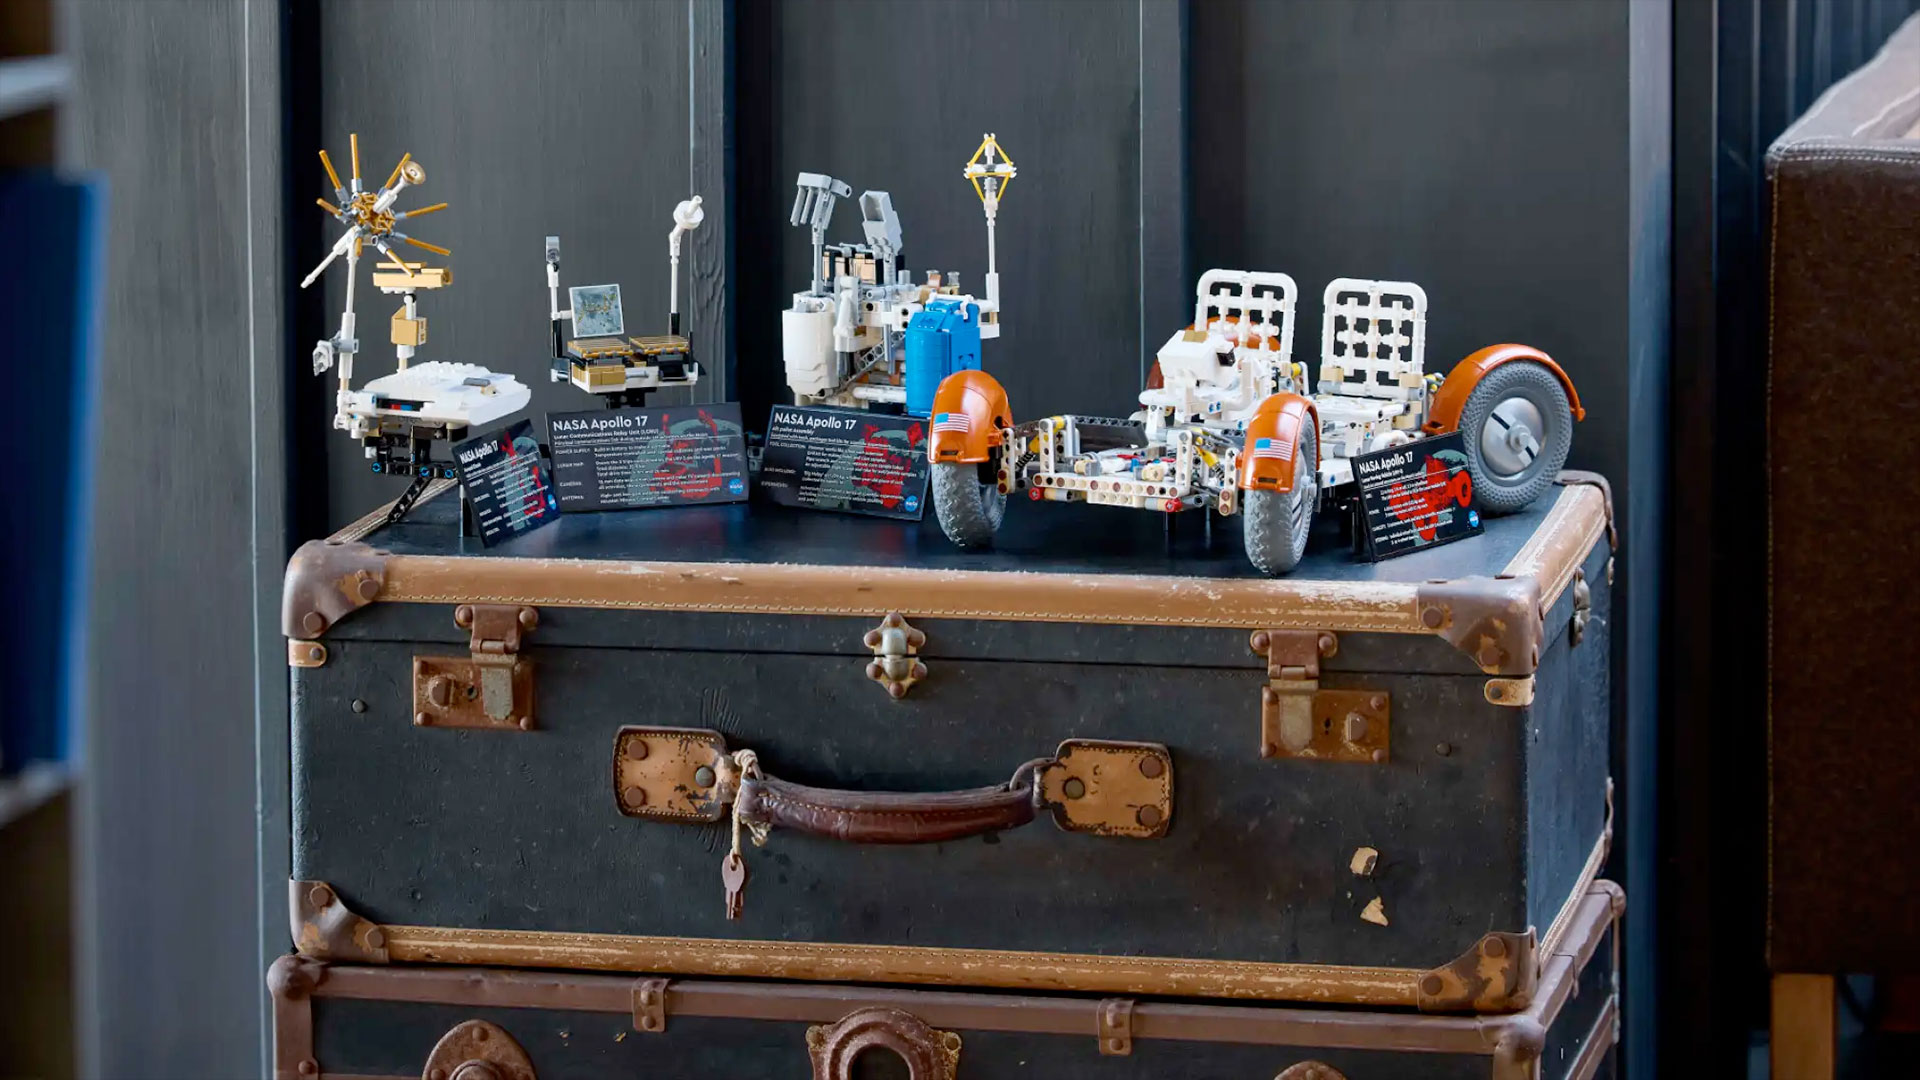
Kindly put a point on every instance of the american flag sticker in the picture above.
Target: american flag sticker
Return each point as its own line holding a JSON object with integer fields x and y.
{"x": 952, "y": 421}
{"x": 1273, "y": 448}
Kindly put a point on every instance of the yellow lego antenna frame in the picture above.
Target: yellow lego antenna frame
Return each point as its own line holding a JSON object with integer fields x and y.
{"x": 975, "y": 172}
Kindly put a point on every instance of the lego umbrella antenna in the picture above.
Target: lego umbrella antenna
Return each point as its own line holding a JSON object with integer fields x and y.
{"x": 370, "y": 218}
{"x": 990, "y": 170}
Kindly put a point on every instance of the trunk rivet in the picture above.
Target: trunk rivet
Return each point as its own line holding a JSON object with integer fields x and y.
{"x": 526, "y": 723}
{"x": 703, "y": 776}
{"x": 309, "y": 1067}
{"x": 1432, "y": 985}
{"x": 1495, "y": 948}
{"x": 529, "y": 618}
{"x": 316, "y": 653}
{"x": 320, "y": 896}
{"x": 637, "y": 749}
{"x": 1151, "y": 767}
{"x": 314, "y": 622}
{"x": 1379, "y": 757}
{"x": 1260, "y": 641}
{"x": 1377, "y": 702}
{"x": 376, "y": 938}
{"x": 420, "y": 719}
{"x": 1148, "y": 816}
{"x": 368, "y": 587}
{"x": 463, "y": 616}
{"x": 1432, "y": 617}
{"x": 437, "y": 1074}
{"x": 1329, "y": 645}
{"x": 1074, "y": 788}
{"x": 634, "y": 796}
{"x": 357, "y": 705}
{"x": 1443, "y": 749}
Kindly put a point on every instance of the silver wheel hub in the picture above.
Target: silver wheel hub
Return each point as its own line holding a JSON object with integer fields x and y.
{"x": 1508, "y": 442}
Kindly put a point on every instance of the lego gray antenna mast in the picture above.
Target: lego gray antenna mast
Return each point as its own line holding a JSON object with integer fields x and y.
{"x": 813, "y": 207}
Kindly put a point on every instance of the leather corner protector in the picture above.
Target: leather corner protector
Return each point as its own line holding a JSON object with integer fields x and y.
{"x": 294, "y": 977}
{"x": 478, "y": 1043}
{"x": 1110, "y": 788}
{"x": 326, "y": 582}
{"x": 305, "y": 653}
{"x": 324, "y": 928}
{"x": 1494, "y": 620}
{"x": 1497, "y": 975}
{"x": 1616, "y": 896}
{"x": 1571, "y": 477}
{"x": 1512, "y": 693}
{"x": 670, "y": 774}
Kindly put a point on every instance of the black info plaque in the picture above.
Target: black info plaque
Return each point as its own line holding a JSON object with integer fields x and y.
{"x": 627, "y": 459}
{"x": 847, "y": 460}
{"x": 506, "y": 487}
{"x": 1414, "y": 496}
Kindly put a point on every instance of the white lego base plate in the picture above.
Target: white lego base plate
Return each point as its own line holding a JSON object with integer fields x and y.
{"x": 438, "y": 392}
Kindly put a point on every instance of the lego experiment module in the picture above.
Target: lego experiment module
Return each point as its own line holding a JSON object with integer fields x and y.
{"x": 1226, "y": 423}
{"x": 398, "y": 417}
{"x": 600, "y": 358}
{"x": 864, "y": 331}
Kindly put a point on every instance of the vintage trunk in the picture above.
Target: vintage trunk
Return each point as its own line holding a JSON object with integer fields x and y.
{"x": 1380, "y": 785}
{"x": 361, "y": 1022}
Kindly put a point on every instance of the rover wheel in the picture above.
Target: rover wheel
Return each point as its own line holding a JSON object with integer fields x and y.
{"x": 1275, "y": 524}
{"x": 968, "y": 502}
{"x": 1517, "y": 427}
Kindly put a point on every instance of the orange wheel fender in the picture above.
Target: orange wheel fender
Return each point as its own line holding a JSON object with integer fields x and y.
{"x": 969, "y": 410}
{"x": 1273, "y": 436}
{"x": 1443, "y": 415}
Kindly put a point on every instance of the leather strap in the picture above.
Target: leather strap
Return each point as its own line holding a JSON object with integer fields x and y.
{"x": 888, "y": 817}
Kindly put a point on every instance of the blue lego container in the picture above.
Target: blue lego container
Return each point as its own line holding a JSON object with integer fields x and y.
{"x": 942, "y": 339}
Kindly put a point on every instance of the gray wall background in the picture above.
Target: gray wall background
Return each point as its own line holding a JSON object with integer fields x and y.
{"x": 1480, "y": 147}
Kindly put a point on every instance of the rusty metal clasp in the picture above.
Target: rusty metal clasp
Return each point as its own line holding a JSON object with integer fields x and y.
{"x": 1300, "y": 720}
{"x": 492, "y": 687}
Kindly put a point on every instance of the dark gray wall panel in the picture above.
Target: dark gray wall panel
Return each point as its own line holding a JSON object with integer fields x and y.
{"x": 170, "y": 958}
{"x": 530, "y": 119}
{"x": 894, "y": 97}
{"x": 1475, "y": 148}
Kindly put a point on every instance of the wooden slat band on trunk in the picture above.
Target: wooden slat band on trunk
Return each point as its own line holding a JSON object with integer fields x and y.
{"x": 1557, "y": 548}
{"x": 790, "y": 589}
{"x": 972, "y": 1011}
{"x": 1589, "y": 874}
{"x": 1005, "y": 969}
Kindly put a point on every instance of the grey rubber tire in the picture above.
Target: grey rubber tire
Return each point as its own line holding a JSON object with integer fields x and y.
{"x": 968, "y": 502}
{"x": 1275, "y": 524}
{"x": 1506, "y": 478}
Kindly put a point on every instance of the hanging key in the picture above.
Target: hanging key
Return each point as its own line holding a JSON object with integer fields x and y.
{"x": 733, "y": 874}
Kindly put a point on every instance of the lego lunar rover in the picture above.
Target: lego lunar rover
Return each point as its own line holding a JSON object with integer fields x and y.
{"x": 1226, "y": 423}
{"x": 864, "y": 332}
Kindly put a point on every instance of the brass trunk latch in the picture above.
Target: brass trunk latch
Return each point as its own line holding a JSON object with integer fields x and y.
{"x": 896, "y": 654}
{"x": 492, "y": 687}
{"x": 1300, "y": 720}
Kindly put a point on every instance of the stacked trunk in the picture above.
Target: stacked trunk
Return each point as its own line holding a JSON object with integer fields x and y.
{"x": 1348, "y": 822}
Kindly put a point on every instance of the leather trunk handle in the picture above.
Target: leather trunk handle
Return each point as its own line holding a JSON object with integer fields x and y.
{"x": 889, "y": 817}
{"x": 674, "y": 774}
